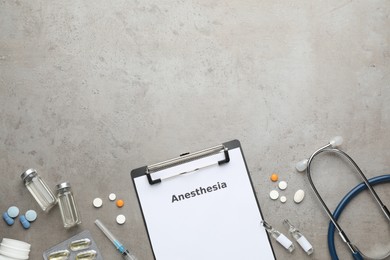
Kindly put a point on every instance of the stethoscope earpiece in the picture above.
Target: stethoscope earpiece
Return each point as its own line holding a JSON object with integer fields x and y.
{"x": 301, "y": 165}
{"x": 336, "y": 141}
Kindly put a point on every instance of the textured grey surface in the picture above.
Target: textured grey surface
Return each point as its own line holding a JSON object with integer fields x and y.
{"x": 92, "y": 89}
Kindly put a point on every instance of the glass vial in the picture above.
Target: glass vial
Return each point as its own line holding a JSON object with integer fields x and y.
{"x": 282, "y": 239}
{"x": 69, "y": 213}
{"x": 39, "y": 189}
{"x": 302, "y": 241}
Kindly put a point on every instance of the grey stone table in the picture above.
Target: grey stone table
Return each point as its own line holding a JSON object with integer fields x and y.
{"x": 91, "y": 90}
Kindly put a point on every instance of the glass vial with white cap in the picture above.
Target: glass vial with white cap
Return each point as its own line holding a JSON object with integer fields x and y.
{"x": 69, "y": 213}
{"x": 39, "y": 189}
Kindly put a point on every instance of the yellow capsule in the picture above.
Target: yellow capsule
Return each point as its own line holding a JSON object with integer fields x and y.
{"x": 86, "y": 255}
{"x": 80, "y": 244}
{"x": 59, "y": 255}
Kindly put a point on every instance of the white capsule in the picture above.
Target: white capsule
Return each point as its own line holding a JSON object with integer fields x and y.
{"x": 298, "y": 196}
{"x": 336, "y": 141}
{"x": 301, "y": 165}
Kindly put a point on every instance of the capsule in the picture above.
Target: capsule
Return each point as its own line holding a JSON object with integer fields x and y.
{"x": 7, "y": 219}
{"x": 60, "y": 255}
{"x": 86, "y": 255}
{"x": 24, "y": 222}
{"x": 80, "y": 244}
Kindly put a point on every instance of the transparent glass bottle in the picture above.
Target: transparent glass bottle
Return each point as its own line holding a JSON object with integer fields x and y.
{"x": 39, "y": 189}
{"x": 69, "y": 213}
{"x": 278, "y": 236}
{"x": 297, "y": 235}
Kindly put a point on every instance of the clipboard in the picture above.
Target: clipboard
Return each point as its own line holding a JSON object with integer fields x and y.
{"x": 202, "y": 205}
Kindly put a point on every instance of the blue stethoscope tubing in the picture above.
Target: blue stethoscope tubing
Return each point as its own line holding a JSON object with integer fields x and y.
{"x": 339, "y": 209}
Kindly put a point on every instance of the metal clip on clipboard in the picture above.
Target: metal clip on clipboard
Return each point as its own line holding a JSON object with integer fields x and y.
{"x": 186, "y": 158}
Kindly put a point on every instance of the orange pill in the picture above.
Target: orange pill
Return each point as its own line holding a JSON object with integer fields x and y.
{"x": 120, "y": 203}
{"x": 274, "y": 177}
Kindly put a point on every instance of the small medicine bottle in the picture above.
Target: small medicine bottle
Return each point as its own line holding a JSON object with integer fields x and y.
{"x": 39, "y": 189}
{"x": 69, "y": 213}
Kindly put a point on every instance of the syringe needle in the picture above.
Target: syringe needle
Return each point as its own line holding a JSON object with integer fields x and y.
{"x": 125, "y": 253}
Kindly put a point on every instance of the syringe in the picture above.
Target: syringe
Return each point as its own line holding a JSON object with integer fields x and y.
{"x": 125, "y": 253}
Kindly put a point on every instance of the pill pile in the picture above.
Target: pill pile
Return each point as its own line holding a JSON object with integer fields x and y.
{"x": 13, "y": 212}
{"x": 282, "y": 185}
{"x": 98, "y": 203}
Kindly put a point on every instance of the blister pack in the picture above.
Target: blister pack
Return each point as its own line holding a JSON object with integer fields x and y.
{"x": 79, "y": 247}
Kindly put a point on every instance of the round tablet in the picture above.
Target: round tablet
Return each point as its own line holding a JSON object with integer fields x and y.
{"x": 282, "y": 185}
{"x": 274, "y": 177}
{"x": 120, "y": 203}
{"x": 97, "y": 203}
{"x": 283, "y": 199}
{"x": 112, "y": 196}
{"x": 120, "y": 219}
{"x": 31, "y": 215}
{"x": 274, "y": 194}
{"x": 13, "y": 211}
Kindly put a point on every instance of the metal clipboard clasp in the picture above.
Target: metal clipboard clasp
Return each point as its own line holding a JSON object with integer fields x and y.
{"x": 187, "y": 157}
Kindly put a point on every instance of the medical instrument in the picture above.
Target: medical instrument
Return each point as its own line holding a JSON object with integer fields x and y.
{"x": 278, "y": 236}
{"x": 301, "y": 239}
{"x": 344, "y": 202}
{"x": 331, "y": 147}
{"x": 125, "y": 253}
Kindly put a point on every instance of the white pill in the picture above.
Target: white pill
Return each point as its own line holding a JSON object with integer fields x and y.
{"x": 299, "y": 195}
{"x": 13, "y": 211}
{"x": 31, "y": 215}
{"x": 283, "y": 199}
{"x": 282, "y": 185}
{"x": 120, "y": 219}
{"x": 97, "y": 203}
{"x": 112, "y": 196}
{"x": 274, "y": 194}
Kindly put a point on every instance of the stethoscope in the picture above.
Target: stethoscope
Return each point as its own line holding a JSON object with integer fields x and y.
{"x": 331, "y": 147}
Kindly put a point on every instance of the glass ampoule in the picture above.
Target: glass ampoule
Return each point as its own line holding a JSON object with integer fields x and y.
{"x": 278, "y": 236}
{"x": 301, "y": 239}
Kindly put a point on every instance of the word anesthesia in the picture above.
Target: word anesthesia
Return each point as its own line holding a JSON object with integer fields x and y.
{"x": 199, "y": 191}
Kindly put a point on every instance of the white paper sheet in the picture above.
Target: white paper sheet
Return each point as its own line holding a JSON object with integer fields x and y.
{"x": 208, "y": 214}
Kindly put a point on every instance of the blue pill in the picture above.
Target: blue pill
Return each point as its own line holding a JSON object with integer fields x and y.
{"x": 13, "y": 211}
{"x": 7, "y": 219}
{"x": 24, "y": 222}
{"x": 31, "y": 215}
